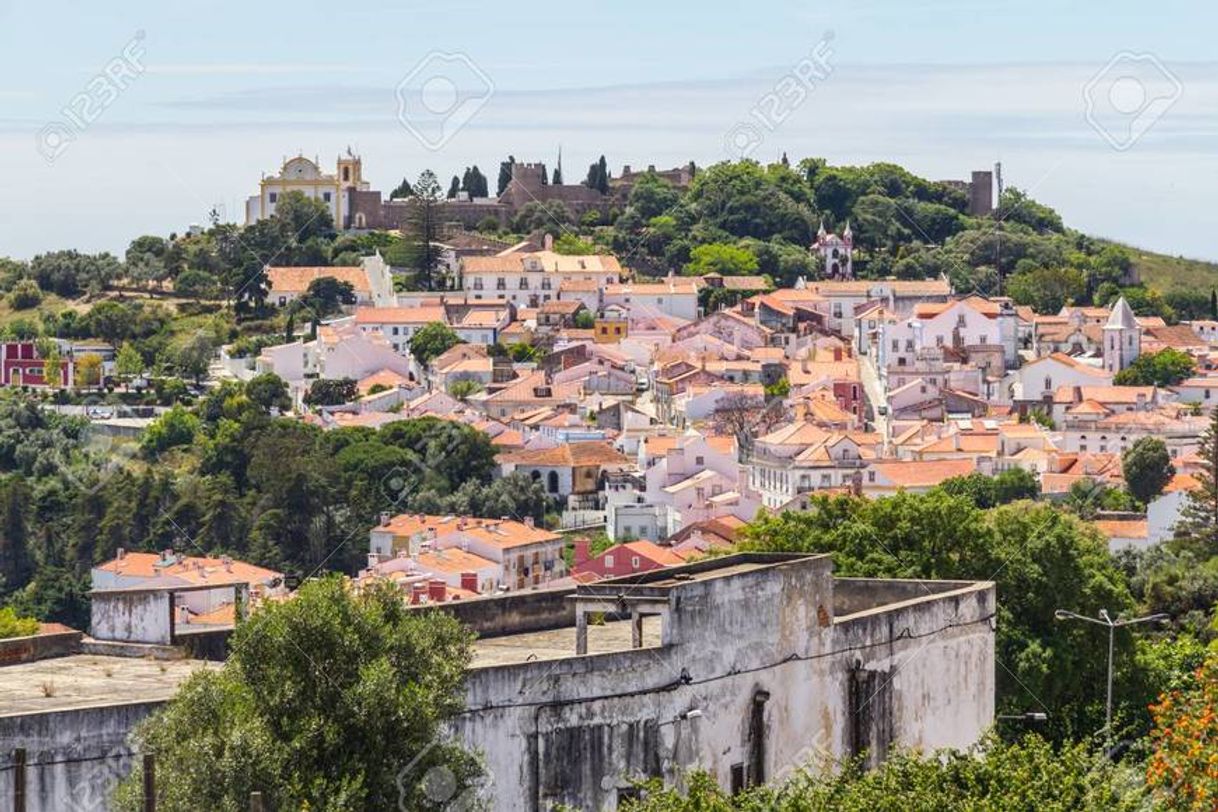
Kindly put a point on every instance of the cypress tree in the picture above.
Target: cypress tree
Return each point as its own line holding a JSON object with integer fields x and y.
{"x": 454, "y": 187}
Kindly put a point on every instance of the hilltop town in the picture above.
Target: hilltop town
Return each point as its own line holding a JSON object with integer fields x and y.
{"x": 726, "y": 468}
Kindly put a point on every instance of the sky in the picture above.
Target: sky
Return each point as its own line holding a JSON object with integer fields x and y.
{"x": 123, "y": 119}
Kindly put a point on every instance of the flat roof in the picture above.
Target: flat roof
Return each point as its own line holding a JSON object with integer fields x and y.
{"x": 87, "y": 680}
{"x": 557, "y": 644}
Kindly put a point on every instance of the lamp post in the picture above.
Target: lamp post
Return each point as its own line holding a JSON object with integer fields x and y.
{"x": 1113, "y": 625}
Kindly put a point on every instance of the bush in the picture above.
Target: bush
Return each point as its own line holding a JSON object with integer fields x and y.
{"x": 26, "y": 295}
{"x": 13, "y": 626}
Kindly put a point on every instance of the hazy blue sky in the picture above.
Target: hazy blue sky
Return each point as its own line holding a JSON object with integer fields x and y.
{"x": 943, "y": 87}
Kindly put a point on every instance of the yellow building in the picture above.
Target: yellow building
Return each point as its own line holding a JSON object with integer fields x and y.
{"x": 299, "y": 174}
{"x": 611, "y": 327}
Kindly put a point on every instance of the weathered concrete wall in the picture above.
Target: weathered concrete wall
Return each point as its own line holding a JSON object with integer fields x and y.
{"x": 760, "y": 658}
{"x": 73, "y": 757}
{"x": 137, "y": 617}
{"x": 852, "y": 595}
{"x": 514, "y": 612}
{"x": 38, "y": 647}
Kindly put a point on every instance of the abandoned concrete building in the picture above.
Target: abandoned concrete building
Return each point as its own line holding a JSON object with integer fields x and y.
{"x": 748, "y": 666}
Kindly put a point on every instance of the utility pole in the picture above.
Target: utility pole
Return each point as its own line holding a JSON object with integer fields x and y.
{"x": 1113, "y": 625}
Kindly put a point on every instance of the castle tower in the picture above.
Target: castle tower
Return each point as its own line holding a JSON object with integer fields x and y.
{"x": 1122, "y": 338}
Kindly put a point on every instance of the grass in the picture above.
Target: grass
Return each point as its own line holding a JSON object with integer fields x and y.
{"x": 1165, "y": 273}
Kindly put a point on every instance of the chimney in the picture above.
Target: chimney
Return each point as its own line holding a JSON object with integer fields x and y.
{"x": 227, "y": 562}
{"x": 469, "y": 581}
{"x": 385, "y": 517}
{"x": 417, "y": 591}
{"x": 436, "y": 589}
{"x": 373, "y": 560}
{"x": 581, "y": 551}
{"x": 548, "y": 242}
{"x": 183, "y": 616}
{"x": 120, "y": 553}
{"x": 528, "y": 520}
{"x": 167, "y": 554}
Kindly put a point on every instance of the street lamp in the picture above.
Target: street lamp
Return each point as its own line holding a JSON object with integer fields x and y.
{"x": 1113, "y": 625}
{"x": 1029, "y": 716}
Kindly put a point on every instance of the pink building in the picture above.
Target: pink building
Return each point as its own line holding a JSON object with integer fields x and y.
{"x": 20, "y": 365}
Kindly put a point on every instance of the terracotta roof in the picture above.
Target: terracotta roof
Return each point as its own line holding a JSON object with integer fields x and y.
{"x": 664, "y": 287}
{"x": 921, "y": 473}
{"x": 400, "y": 315}
{"x": 296, "y": 280}
{"x": 502, "y": 533}
{"x": 550, "y": 262}
{"x": 191, "y": 569}
{"x": 568, "y": 454}
{"x": 1122, "y": 528}
{"x": 385, "y": 377}
{"x": 1182, "y": 482}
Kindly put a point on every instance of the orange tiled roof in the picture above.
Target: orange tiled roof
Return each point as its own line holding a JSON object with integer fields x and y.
{"x": 193, "y": 569}
{"x": 296, "y": 280}
{"x": 500, "y": 532}
{"x": 569, "y": 454}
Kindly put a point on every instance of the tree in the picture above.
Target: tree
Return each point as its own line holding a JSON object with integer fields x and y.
{"x": 403, "y": 190}
{"x": 505, "y": 175}
{"x": 423, "y": 227}
{"x": 1181, "y": 766}
{"x": 746, "y": 417}
{"x": 431, "y": 340}
{"x": 196, "y": 284}
{"x": 1199, "y": 516}
{"x": 454, "y": 188}
{"x": 1047, "y": 290}
{"x": 326, "y": 295}
{"x": 726, "y": 260}
{"x": 303, "y": 218}
{"x": 88, "y": 370}
{"x": 129, "y": 363}
{"x": 1014, "y": 484}
{"x": 570, "y": 244}
{"x": 145, "y": 259}
{"x": 598, "y": 176}
{"x": 268, "y": 391}
{"x": 176, "y": 427}
{"x": 1041, "y": 559}
{"x": 1147, "y": 468}
{"x": 1167, "y": 367}
{"x": 463, "y": 388}
{"x": 1030, "y": 774}
{"x": 194, "y": 353}
{"x": 11, "y": 625}
{"x": 331, "y": 392}
{"x": 361, "y": 727}
{"x": 25, "y": 295}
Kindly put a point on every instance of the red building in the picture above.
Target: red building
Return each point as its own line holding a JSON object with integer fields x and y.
{"x": 21, "y": 366}
{"x": 622, "y": 559}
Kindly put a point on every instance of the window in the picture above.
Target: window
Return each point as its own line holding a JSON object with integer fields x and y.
{"x": 609, "y": 558}
{"x": 871, "y": 476}
{"x": 274, "y": 198}
{"x": 699, "y": 461}
{"x": 634, "y": 562}
{"x": 326, "y": 196}
{"x": 896, "y": 345}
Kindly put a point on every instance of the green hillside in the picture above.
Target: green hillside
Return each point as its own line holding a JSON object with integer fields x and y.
{"x": 1166, "y": 274}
